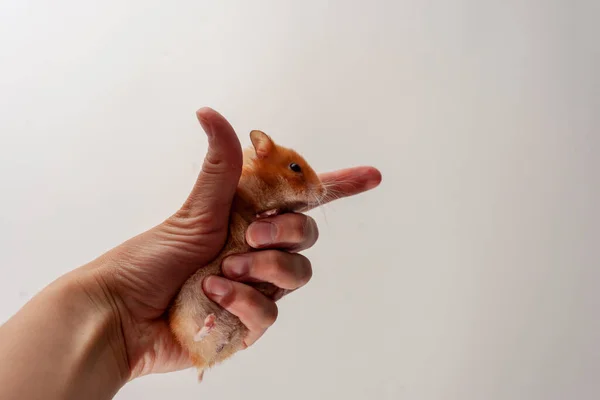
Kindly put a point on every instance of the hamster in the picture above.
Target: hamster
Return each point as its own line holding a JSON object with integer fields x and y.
{"x": 274, "y": 180}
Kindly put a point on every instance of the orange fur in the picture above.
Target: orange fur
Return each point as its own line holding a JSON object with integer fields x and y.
{"x": 267, "y": 183}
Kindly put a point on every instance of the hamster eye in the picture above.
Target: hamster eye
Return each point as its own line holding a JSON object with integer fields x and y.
{"x": 295, "y": 167}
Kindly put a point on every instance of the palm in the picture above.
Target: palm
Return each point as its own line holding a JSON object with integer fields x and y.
{"x": 158, "y": 263}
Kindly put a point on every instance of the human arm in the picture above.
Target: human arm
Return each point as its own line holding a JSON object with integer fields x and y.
{"x": 97, "y": 327}
{"x": 69, "y": 341}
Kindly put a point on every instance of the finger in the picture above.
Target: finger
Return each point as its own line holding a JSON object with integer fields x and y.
{"x": 284, "y": 270}
{"x": 215, "y": 187}
{"x": 254, "y": 310}
{"x": 349, "y": 182}
{"x": 293, "y": 232}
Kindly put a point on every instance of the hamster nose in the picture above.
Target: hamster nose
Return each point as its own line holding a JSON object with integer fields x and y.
{"x": 319, "y": 191}
{"x": 322, "y": 191}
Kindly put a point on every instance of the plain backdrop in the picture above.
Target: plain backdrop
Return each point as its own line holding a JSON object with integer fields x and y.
{"x": 473, "y": 272}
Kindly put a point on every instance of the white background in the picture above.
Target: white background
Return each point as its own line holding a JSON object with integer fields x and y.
{"x": 473, "y": 272}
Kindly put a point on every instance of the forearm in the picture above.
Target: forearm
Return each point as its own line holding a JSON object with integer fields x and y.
{"x": 63, "y": 344}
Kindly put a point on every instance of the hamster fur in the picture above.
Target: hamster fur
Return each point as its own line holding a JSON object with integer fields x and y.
{"x": 274, "y": 180}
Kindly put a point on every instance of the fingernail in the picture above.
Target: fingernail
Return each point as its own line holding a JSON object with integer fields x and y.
{"x": 236, "y": 266}
{"x": 261, "y": 233}
{"x": 217, "y": 286}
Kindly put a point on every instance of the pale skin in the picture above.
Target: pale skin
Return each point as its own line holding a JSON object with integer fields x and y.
{"x": 94, "y": 329}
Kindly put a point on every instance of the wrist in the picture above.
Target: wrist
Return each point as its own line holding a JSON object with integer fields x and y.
{"x": 71, "y": 333}
{"x": 98, "y": 312}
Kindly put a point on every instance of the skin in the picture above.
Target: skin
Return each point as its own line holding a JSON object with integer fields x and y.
{"x": 101, "y": 325}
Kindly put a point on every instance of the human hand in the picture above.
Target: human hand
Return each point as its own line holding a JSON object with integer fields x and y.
{"x": 139, "y": 278}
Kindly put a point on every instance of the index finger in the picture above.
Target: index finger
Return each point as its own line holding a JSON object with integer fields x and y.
{"x": 348, "y": 182}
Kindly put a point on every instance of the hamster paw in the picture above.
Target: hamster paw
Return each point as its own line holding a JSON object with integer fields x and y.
{"x": 209, "y": 324}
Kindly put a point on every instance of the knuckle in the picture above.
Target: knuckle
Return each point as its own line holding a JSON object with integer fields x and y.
{"x": 218, "y": 162}
{"x": 286, "y": 270}
{"x": 270, "y": 315}
{"x": 275, "y": 265}
{"x": 304, "y": 270}
{"x": 188, "y": 220}
{"x": 252, "y": 300}
{"x": 299, "y": 226}
{"x": 213, "y": 163}
{"x": 273, "y": 258}
{"x": 269, "y": 263}
{"x": 314, "y": 229}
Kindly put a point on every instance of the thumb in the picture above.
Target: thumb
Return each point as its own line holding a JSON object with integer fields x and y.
{"x": 212, "y": 195}
{"x": 159, "y": 261}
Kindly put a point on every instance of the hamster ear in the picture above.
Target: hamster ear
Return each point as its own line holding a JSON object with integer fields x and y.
{"x": 263, "y": 144}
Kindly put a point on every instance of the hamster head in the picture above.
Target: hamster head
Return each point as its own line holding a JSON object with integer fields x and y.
{"x": 280, "y": 178}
